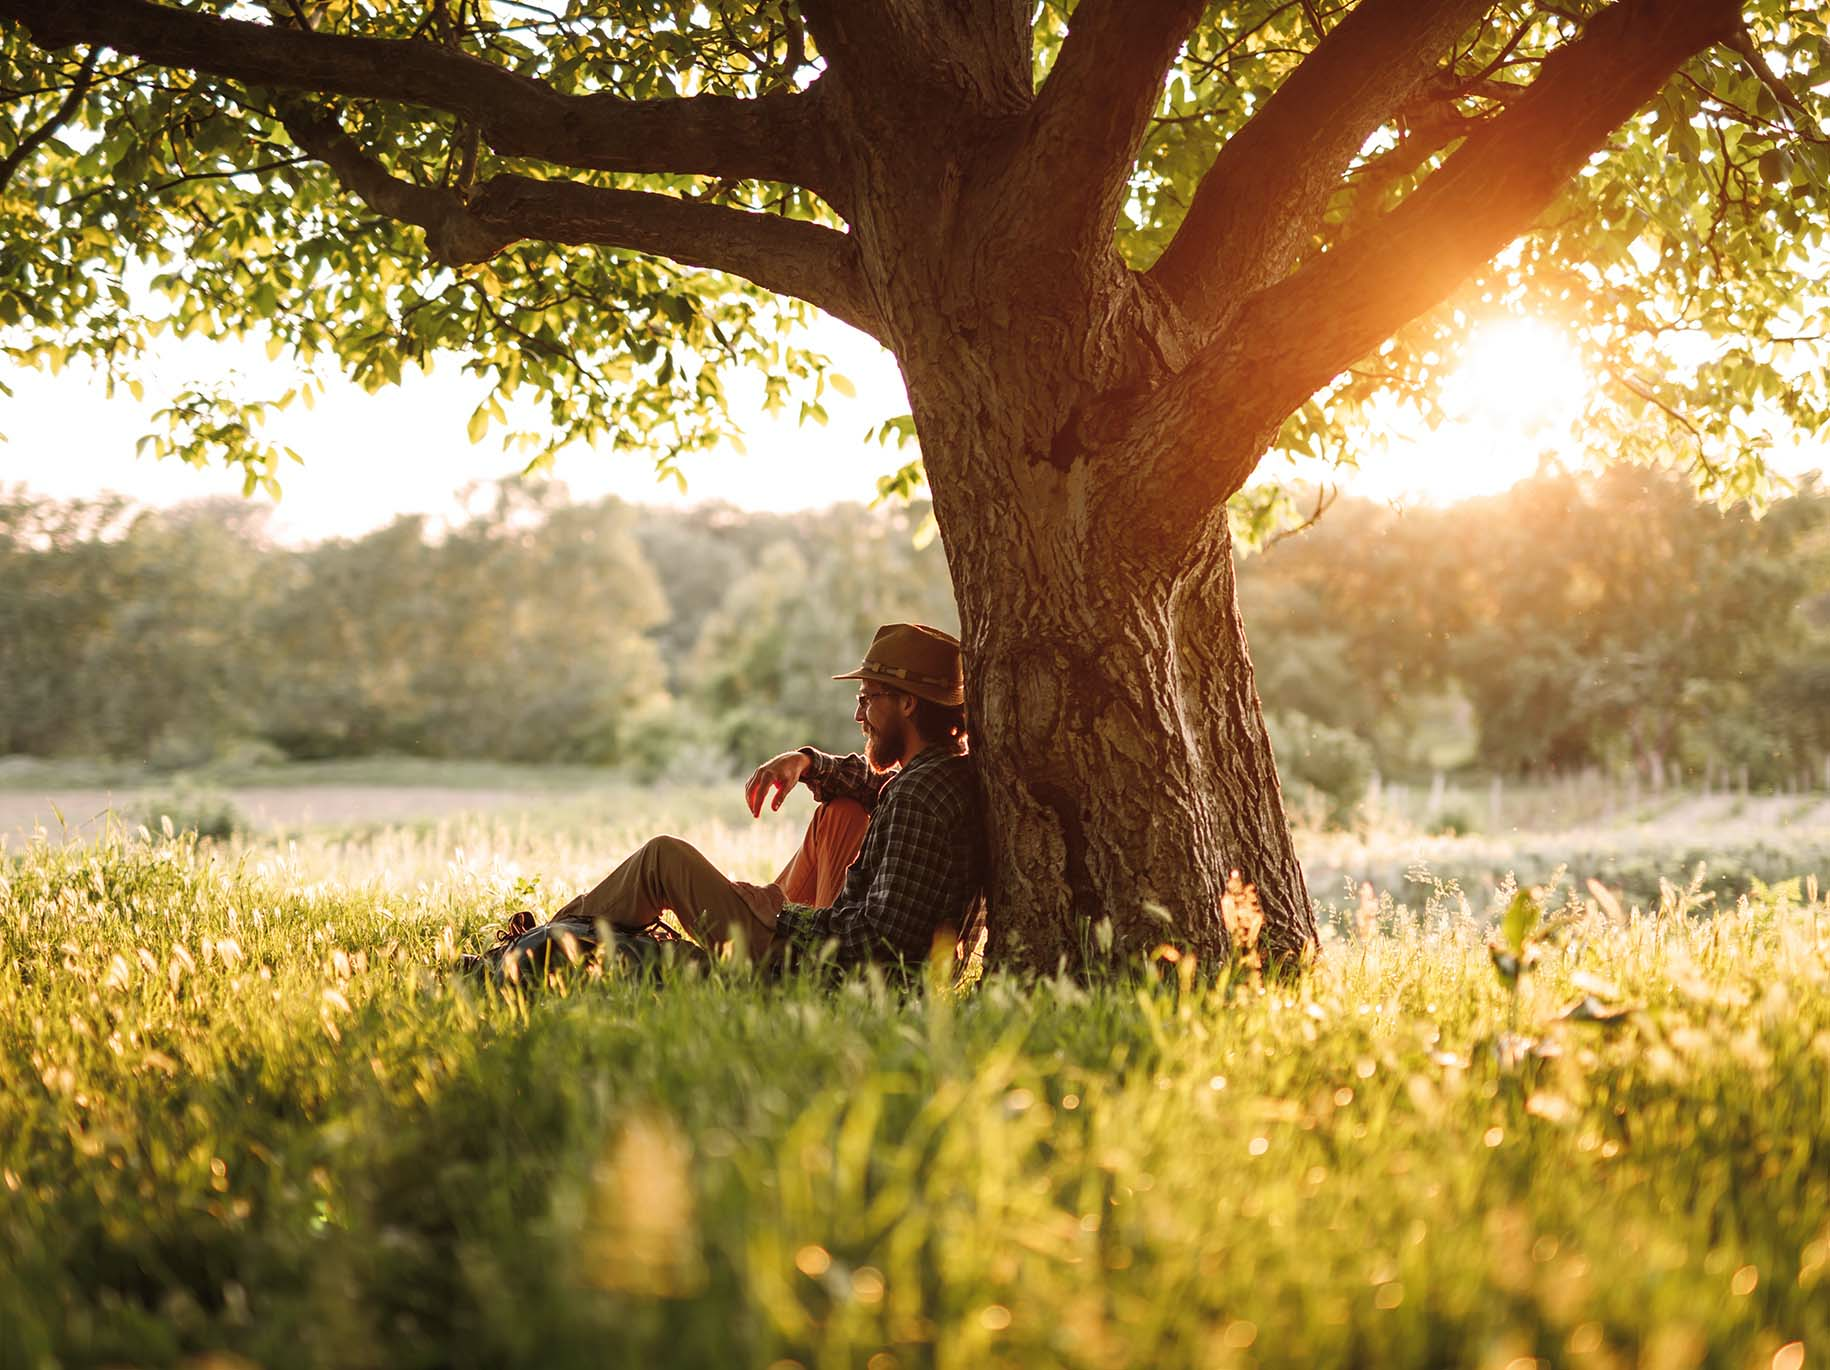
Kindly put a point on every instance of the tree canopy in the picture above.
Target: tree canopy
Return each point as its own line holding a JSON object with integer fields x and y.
{"x": 458, "y": 194}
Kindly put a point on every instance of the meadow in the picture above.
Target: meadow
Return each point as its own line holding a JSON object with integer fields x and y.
{"x": 253, "y": 1118}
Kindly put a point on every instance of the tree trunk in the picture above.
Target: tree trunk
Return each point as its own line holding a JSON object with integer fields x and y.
{"x": 1125, "y": 764}
{"x": 1124, "y": 759}
{"x": 1123, "y": 753}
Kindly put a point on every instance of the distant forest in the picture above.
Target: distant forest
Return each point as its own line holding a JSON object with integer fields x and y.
{"x": 1575, "y": 621}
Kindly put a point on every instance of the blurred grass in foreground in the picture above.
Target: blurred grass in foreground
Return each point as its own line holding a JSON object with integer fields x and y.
{"x": 247, "y": 1110}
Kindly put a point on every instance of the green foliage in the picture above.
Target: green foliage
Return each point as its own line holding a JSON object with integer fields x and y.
{"x": 534, "y": 630}
{"x": 1684, "y": 260}
{"x": 1451, "y": 822}
{"x": 759, "y": 669}
{"x": 1609, "y": 622}
{"x": 517, "y": 635}
{"x": 185, "y": 191}
{"x": 1684, "y": 263}
{"x": 701, "y": 552}
{"x": 177, "y": 637}
{"x": 1330, "y": 763}
{"x": 126, "y": 631}
{"x": 1585, "y": 620}
{"x": 1519, "y": 920}
{"x": 249, "y": 1115}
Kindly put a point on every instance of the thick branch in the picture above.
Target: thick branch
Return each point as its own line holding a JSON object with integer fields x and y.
{"x": 1086, "y": 123}
{"x": 1263, "y": 198}
{"x": 1292, "y": 338}
{"x": 771, "y": 138}
{"x": 1425, "y": 135}
{"x": 452, "y": 233}
{"x": 788, "y": 256}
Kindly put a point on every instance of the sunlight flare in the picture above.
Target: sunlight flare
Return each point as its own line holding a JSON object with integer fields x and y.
{"x": 1519, "y": 376}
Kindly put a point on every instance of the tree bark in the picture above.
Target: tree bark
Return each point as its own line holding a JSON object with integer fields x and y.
{"x": 1123, "y": 753}
{"x": 1122, "y": 749}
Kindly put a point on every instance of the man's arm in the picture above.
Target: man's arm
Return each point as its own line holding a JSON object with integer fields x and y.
{"x": 842, "y": 777}
{"x": 828, "y": 777}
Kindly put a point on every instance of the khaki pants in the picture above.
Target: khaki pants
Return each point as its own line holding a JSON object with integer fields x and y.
{"x": 668, "y": 873}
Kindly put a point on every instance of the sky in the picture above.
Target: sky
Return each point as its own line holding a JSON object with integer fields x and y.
{"x": 369, "y": 458}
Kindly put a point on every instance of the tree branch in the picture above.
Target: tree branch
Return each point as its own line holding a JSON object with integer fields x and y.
{"x": 1084, "y": 128}
{"x": 774, "y": 137}
{"x": 1325, "y": 498}
{"x": 1263, "y": 199}
{"x": 789, "y": 256}
{"x": 160, "y": 187}
{"x": 1291, "y": 338}
{"x": 85, "y": 75}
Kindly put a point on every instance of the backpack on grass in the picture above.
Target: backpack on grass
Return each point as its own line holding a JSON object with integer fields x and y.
{"x": 527, "y": 952}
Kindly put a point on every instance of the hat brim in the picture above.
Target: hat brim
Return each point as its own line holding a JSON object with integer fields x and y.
{"x": 932, "y": 693}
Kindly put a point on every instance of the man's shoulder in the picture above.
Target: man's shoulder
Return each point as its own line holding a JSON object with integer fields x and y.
{"x": 948, "y": 780}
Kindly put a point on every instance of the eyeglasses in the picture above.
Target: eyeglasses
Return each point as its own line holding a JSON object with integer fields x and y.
{"x": 866, "y": 696}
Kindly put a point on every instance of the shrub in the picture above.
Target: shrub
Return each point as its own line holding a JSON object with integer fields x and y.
{"x": 1451, "y": 822}
{"x": 1332, "y": 761}
{"x": 191, "y": 808}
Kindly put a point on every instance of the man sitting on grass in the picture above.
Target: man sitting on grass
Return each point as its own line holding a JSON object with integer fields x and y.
{"x": 891, "y": 865}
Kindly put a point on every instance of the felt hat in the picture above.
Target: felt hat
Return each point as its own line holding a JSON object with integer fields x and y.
{"x": 917, "y": 659}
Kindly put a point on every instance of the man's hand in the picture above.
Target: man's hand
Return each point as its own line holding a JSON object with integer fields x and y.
{"x": 783, "y": 772}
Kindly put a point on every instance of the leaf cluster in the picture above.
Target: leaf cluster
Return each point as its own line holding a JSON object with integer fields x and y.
{"x": 172, "y": 205}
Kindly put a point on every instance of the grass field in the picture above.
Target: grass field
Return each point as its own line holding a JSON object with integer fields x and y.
{"x": 251, "y": 1118}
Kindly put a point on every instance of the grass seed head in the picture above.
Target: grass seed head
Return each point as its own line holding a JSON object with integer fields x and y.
{"x": 1366, "y": 912}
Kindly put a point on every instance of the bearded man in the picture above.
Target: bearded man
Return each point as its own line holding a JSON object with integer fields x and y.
{"x": 891, "y": 865}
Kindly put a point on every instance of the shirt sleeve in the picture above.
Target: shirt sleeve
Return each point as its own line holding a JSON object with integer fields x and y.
{"x": 842, "y": 777}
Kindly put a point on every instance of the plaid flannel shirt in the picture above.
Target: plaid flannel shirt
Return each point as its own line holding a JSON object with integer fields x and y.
{"x": 921, "y": 866}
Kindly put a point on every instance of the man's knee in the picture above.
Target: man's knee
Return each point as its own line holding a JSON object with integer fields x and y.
{"x": 666, "y": 850}
{"x": 841, "y": 816}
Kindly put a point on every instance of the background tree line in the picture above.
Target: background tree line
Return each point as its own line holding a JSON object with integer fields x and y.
{"x": 1575, "y": 621}
{"x": 1597, "y": 620}
{"x": 534, "y": 630}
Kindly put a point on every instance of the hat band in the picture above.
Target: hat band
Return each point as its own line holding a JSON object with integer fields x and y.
{"x": 904, "y": 673}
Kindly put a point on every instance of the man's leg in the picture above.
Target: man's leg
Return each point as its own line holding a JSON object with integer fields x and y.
{"x": 668, "y": 873}
{"x": 815, "y": 874}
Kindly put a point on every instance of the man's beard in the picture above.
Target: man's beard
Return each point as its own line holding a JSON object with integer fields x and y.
{"x": 881, "y": 750}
